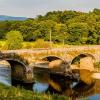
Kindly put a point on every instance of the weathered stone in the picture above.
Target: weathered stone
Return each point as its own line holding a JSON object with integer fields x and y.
{"x": 74, "y": 67}
{"x": 96, "y": 76}
{"x": 86, "y": 70}
{"x": 22, "y": 56}
{"x": 55, "y": 64}
{"x": 86, "y": 76}
{"x": 87, "y": 63}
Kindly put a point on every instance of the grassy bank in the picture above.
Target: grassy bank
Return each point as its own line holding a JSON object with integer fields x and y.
{"x": 13, "y": 93}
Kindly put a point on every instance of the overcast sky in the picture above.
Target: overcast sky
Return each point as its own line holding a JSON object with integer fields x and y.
{"x": 31, "y": 8}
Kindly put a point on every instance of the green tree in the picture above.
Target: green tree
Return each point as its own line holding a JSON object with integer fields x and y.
{"x": 94, "y": 34}
{"x": 14, "y": 40}
{"x": 72, "y": 26}
{"x": 4, "y": 28}
{"x": 66, "y": 15}
{"x": 78, "y": 33}
{"x": 61, "y": 33}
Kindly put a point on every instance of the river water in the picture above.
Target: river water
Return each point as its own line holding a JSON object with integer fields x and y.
{"x": 54, "y": 85}
{"x": 5, "y": 75}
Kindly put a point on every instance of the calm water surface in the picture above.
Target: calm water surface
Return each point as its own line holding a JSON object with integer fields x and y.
{"x": 45, "y": 83}
{"x": 5, "y": 75}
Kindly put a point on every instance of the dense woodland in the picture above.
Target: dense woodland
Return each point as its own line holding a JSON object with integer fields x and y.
{"x": 70, "y": 27}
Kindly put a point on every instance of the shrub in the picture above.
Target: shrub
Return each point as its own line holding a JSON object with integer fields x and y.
{"x": 27, "y": 45}
{"x": 40, "y": 43}
{"x": 14, "y": 40}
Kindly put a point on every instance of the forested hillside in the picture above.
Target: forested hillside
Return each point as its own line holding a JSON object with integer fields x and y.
{"x": 70, "y": 27}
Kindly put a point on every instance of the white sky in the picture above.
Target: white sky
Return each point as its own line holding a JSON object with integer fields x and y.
{"x": 32, "y": 8}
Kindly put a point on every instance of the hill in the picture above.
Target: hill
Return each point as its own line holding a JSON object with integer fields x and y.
{"x": 4, "y": 17}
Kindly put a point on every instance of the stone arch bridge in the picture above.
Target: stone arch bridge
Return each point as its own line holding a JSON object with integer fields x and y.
{"x": 22, "y": 61}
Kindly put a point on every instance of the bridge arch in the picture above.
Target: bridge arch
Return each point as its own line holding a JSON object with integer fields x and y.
{"x": 82, "y": 55}
{"x": 83, "y": 66}
{"x": 52, "y": 58}
{"x": 18, "y": 65}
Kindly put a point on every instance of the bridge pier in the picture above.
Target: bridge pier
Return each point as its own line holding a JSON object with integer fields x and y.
{"x": 17, "y": 70}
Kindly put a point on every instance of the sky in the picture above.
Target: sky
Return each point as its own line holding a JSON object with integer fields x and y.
{"x": 32, "y": 8}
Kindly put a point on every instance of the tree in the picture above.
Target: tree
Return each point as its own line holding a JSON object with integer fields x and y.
{"x": 60, "y": 33}
{"x": 78, "y": 33}
{"x": 4, "y": 28}
{"x": 14, "y": 40}
{"x": 96, "y": 11}
{"x": 70, "y": 27}
{"x": 66, "y": 15}
{"x": 94, "y": 34}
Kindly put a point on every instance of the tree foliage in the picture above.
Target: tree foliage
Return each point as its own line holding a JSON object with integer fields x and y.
{"x": 73, "y": 27}
{"x": 14, "y": 40}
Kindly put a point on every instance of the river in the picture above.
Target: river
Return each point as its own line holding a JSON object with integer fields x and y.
{"x": 5, "y": 75}
{"x": 63, "y": 87}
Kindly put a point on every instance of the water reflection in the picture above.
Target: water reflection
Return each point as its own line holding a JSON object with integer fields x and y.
{"x": 61, "y": 85}
{"x": 5, "y": 75}
{"x": 94, "y": 97}
{"x": 40, "y": 87}
{"x": 54, "y": 84}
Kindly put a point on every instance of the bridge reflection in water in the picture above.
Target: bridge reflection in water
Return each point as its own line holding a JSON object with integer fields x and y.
{"x": 50, "y": 82}
{"x": 66, "y": 87}
{"x": 54, "y": 83}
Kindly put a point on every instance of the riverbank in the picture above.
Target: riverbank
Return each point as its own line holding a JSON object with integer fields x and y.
{"x": 13, "y": 93}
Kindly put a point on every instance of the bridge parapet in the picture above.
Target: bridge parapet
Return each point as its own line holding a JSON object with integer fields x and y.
{"x": 65, "y": 53}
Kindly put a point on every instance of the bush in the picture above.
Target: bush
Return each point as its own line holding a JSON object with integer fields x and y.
{"x": 40, "y": 43}
{"x": 14, "y": 40}
{"x": 27, "y": 45}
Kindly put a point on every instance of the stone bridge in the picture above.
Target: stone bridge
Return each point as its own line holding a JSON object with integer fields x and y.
{"x": 23, "y": 61}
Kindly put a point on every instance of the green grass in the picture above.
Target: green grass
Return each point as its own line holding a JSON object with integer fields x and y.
{"x": 13, "y": 93}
